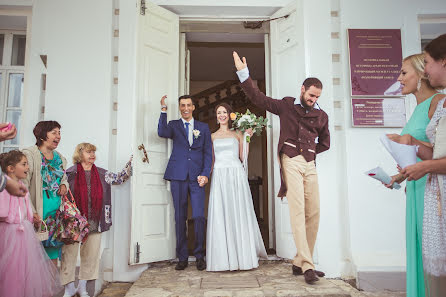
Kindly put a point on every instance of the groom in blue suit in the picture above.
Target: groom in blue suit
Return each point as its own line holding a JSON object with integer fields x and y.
{"x": 188, "y": 171}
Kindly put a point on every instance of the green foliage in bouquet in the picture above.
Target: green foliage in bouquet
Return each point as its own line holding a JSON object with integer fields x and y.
{"x": 243, "y": 122}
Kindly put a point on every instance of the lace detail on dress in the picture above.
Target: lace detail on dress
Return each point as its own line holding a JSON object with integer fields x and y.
{"x": 434, "y": 221}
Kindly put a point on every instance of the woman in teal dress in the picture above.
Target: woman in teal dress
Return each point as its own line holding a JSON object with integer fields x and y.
{"x": 46, "y": 178}
{"x": 414, "y": 82}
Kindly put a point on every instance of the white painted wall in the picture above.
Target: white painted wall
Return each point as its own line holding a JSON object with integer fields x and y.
{"x": 377, "y": 215}
{"x": 78, "y": 73}
{"x": 330, "y": 241}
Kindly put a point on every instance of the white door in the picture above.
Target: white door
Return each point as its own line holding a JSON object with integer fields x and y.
{"x": 287, "y": 75}
{"x": 184, "y": 66}
{"x": 152, "y": 226}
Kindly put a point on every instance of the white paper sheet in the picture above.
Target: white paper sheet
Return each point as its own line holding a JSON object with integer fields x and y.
{"x": 379, "y": 174}
{"x": 403, "y": 154}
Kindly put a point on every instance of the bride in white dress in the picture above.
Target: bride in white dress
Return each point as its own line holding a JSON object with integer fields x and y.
{"x": 233, "y": 236}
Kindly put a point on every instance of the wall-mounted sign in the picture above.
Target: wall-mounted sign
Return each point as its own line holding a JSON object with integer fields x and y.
{"x": 375, "y": 61}
{"x": 373, "y": 112}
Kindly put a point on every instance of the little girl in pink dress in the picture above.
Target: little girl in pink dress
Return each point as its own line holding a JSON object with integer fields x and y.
{"x": 25, "y": 269}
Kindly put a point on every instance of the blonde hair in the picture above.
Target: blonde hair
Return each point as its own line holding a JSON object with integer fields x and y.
{"x": 77, "y": 156}
{"x": 417, "y": 62}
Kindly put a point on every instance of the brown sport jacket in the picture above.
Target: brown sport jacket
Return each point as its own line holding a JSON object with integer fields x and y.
{"x": 299, "y": 129}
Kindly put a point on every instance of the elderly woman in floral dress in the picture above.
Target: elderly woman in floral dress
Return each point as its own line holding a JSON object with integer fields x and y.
{"x": 90, "y": 186}
{"x": 46, "y": 179}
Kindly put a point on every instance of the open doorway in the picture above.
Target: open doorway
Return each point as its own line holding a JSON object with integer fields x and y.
{"x": 212, "y": 81}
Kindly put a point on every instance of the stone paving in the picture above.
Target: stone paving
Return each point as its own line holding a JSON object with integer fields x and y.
{"x": 270, "y": 279}
{"x": 115, "y": 290}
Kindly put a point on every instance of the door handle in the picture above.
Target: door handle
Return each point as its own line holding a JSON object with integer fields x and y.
{"x": 146, "y": 158}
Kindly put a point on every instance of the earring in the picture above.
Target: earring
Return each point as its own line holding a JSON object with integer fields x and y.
{"x": 419, "y": 84}
{"x": 218, "y": 123}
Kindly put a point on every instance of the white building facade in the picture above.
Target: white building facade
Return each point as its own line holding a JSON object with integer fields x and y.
{"x": 107, "y": 66}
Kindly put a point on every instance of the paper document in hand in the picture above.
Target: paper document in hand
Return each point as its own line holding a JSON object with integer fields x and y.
{"x": 403, "y": 154}
{"x": 379, "y": 174}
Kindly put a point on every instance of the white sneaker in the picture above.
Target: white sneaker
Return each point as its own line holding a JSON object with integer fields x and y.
{"x": 82, "y": 289}
{"x": 70, "y": 290}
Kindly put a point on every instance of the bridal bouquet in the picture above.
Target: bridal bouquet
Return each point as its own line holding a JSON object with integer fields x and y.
{"x": 248, "y": 120}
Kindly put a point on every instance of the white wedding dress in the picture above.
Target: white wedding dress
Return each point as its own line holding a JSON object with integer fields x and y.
{"x": 233, "y": 239}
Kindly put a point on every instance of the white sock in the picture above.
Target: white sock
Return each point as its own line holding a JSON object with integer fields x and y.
{"x": 70, "y": 289}
{"x": 82, "y": 287}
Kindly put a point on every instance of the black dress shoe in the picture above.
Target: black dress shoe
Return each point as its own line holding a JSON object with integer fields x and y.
{"x": 181, "y": 265}
{"x": 310, "y": 277}
{"x": 298, "y": 271}
{"x": 201, "y": 264}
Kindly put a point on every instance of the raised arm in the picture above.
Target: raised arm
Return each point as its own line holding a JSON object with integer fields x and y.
{"x": 112, "y": 178}
{"x": 252, "y": 91}
{"x": 164, "y": 129}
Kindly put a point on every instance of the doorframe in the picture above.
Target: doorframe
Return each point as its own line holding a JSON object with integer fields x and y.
{"x": 269, "y": 131}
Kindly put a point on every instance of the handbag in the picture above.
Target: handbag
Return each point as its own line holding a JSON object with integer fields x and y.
{"x": 42, "y": 234}
{"x": 52, "y": 226}
{"x": 72, "y": 226}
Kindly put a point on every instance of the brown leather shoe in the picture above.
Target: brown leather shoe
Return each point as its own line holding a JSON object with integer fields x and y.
{"x": 298, "y": 271}
{"x": 310, "y": 277}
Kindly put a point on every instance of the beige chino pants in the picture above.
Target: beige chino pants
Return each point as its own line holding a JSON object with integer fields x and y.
{"x": 89, "y": 253}
{"x": 303, "y": 201}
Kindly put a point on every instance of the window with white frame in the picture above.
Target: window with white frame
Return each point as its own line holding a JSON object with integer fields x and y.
{"x": 12, "y": 69}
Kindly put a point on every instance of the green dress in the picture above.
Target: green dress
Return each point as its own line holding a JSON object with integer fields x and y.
{"x": 52, "y": 172}
{"x": 416, "y": 126}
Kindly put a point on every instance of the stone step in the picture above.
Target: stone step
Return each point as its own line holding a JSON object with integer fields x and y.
{"x": 272, "y": 278}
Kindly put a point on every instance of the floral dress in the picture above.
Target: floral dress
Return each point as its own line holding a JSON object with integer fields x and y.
{"x": 52, "y": 173}
{"x": 434, "y": 223}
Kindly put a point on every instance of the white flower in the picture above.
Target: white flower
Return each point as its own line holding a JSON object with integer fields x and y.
{"x": 196, "y": 133}
{"x": 245, "y": 118}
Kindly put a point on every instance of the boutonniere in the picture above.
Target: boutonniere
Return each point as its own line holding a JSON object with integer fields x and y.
{"x": 196, "y": 133}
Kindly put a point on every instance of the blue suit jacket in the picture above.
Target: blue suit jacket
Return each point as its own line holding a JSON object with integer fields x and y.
{"x": 186, "y": 161}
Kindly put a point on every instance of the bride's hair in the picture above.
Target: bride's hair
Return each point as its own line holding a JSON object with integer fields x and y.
{"x": 228, "y": 110}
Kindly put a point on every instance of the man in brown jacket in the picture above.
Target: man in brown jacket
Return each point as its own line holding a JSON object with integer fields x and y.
{"x": 303, "y": 134}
